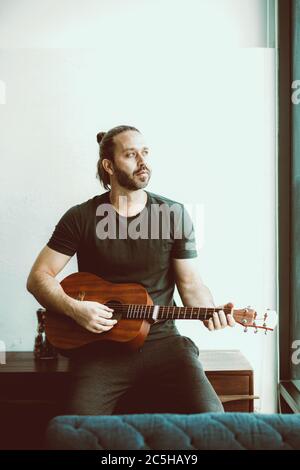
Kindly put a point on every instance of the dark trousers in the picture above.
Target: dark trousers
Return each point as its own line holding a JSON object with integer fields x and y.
{"x": 163, "y": 376}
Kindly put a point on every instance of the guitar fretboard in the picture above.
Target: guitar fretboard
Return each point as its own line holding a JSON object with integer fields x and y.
{"x": 160, "y": 312}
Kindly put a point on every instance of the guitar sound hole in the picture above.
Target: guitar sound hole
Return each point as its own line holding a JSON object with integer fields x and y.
{"x": 112, "y": 304}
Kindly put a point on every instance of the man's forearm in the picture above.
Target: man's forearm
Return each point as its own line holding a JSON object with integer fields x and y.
{"x": 196, "y": 294}
{"x": 49, "y": 293}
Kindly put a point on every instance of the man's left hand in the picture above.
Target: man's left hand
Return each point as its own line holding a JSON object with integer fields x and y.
{"x": 219, "y": 319}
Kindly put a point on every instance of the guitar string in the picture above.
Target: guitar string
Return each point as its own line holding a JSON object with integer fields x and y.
{"x": 123, "y": 308}
{"x": 166, "y": 306}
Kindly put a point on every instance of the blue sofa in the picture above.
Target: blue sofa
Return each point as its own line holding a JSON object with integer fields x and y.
{"x": 207, "y": 431}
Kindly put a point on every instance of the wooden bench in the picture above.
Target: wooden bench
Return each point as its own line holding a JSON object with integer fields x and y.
{"x": 32, "y": 392}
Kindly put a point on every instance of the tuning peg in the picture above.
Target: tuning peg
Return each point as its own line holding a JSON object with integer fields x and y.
{"x": 244, "y": 322}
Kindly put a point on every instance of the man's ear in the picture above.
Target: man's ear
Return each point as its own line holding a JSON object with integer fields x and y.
{"x": 108, "y": 166}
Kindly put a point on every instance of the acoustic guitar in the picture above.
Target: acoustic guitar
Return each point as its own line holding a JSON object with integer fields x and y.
{"x": 134, "y": 310}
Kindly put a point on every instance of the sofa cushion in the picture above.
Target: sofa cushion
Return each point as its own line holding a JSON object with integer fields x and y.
{"x": 175, "y": 431}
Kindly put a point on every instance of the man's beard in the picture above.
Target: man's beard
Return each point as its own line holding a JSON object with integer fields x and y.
{"x": 129, "y": 182}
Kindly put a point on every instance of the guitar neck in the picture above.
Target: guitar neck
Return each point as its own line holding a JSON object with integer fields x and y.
{"x": 160, "y": 312}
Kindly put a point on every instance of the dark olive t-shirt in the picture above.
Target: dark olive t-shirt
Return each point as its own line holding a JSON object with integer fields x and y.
{"x": 135, "y": 249}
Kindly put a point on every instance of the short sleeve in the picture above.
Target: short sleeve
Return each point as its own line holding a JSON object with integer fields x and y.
{"x": 184, "y": 237}
{"x": 67, "y": 233}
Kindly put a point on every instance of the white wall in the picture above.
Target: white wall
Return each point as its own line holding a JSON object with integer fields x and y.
{"x": 191, "y": 77}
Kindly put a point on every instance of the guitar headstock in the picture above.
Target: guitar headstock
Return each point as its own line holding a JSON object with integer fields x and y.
{"x": 249, "y": 318}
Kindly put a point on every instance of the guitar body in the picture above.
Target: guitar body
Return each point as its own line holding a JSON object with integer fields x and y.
{"x": 64, "y": 333}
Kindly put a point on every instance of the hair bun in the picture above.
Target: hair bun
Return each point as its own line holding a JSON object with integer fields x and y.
{"x": 100, "y": 136}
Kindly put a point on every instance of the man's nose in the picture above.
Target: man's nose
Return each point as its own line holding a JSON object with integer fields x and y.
{"x": 140, "y": 159}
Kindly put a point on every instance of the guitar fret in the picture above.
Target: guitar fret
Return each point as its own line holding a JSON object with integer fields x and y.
{"x": 150, "y": 312}
{"x": 133, "y": 311}
{"x": 128, "y": 311}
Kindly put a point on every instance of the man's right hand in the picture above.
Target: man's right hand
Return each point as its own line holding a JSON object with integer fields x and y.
{"x": 93, "y": 316}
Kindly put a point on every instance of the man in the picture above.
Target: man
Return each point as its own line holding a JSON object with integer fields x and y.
{"x": 165, "y": 375}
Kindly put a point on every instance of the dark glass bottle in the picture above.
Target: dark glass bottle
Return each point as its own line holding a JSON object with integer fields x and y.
{"x": 42, "y": 348}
